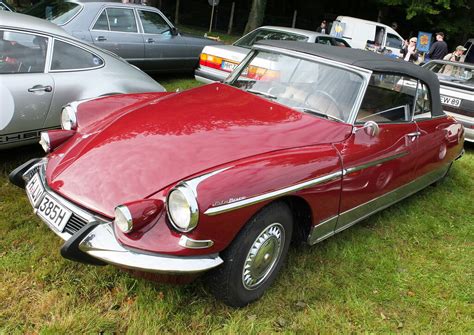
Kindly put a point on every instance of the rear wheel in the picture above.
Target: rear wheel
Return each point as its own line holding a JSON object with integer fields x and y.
{"x": 253, "y": 260}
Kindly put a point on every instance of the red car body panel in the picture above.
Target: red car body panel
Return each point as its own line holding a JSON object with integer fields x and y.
{"x": 144, "y": 149}
{"x": 250, "y": 177}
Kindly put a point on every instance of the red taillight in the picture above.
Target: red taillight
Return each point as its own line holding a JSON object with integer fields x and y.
{"x": 210, "y": 61}
{"x": 260, "y": 73}
{"x": 53, "y": 138}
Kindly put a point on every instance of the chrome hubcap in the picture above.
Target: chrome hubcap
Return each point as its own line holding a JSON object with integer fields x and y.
{"x": 263, "y": 256}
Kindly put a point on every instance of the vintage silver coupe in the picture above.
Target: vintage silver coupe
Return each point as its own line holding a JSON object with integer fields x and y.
{"x": 42, "y": 68}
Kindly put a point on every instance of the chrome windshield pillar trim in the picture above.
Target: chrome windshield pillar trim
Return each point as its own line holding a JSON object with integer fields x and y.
{"x": 101, "y": 244}
{"x": 373, "y": 163}
{"x": 190, "y": 243}
{"x": 271, "y": 195}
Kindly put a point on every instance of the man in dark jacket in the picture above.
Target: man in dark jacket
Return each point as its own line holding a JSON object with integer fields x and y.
{"x": 439, "y": 49}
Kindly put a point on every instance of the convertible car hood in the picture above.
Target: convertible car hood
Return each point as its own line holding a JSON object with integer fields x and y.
{"x": 180, "y": 135}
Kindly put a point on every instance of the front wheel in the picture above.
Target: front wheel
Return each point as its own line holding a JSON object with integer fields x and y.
{"x": 253, "y": 260}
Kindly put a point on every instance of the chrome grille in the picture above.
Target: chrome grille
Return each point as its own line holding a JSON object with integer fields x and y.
{"x": 74, "y": 224}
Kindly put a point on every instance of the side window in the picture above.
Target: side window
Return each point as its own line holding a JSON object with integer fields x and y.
{"x": 388, "y": 98}
{"x": 102, "y": 22}
{"x": 423, "y": 103}
{"x": 121, "y": 19}
{"x": 70, "y": 57}
{"x": 393, "y": 41}
{"x": 22, "y": 53}
{"x": 323, "y": 40}
{"x": 153, "y": 23}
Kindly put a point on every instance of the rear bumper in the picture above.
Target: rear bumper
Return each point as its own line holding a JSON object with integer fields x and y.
{"x": 95, "y": 242}
{"x": 207, "y": 75}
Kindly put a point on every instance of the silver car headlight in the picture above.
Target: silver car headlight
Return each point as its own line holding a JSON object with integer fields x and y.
{"x": 182, "y": 208}
{"x": 123, "y": 219}
{"x": 68, "y": 118}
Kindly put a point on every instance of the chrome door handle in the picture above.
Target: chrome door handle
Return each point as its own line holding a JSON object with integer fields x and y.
{"x": 39, "y": 88}
{"x": 100, "y": 38}
{"x": 150, "y": 40}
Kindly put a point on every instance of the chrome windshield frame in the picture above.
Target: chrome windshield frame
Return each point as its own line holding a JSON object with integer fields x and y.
{"x": 364, "y": 73}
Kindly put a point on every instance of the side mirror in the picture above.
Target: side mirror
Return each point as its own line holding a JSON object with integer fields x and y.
{"x": 174, "y": 31}
{"x": 371, "y": 128}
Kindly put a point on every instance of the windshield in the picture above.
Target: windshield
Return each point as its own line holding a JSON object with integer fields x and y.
{"x": 459, "y": 73}
{"x": 311, "y": 87}
{"x": 58, "y": 12}
{"x": 265, "y": 34}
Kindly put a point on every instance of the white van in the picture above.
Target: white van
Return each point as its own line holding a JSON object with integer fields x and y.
{"x": 363, "y": 34}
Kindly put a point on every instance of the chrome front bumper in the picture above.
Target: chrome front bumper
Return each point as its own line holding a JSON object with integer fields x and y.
{"x": 96, "y": 240}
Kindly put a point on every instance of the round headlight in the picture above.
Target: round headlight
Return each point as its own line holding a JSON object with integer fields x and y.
{"x": 123, "y": 219}
{"x": 182, "y": 208}
{"x": 45, "y": 141}
{"x": 68, "y": 118}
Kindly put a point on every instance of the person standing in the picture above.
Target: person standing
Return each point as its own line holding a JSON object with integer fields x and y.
{"x": 322, "y": 28}
{"x": 456, "y": 55}
{"x": 409, "y": 51}
{"x": 439, "y": 49}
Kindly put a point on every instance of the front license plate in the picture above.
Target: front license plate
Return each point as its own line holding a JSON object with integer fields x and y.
{"x": 53, "y": 212}
{"x": 227, "y": 66}
{"x": 455, "y": 102}
{"x": 35, "y": 190}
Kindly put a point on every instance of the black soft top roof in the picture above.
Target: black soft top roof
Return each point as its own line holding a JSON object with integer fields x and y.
{"x": 367, "y": 60}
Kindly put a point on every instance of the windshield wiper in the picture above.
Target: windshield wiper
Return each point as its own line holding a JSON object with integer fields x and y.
{"x": 318, "y": 113}
{"x": 265, "y": 94}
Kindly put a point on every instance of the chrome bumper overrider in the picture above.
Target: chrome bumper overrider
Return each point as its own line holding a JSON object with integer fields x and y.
{"x": 100, "y": 242}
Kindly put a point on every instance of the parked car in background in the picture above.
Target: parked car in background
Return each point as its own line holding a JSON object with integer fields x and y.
{"x": 364, "y": 34}
{"x": 217, "y": 61}
{"x": 457, "y": 91}
{"x": 300, "y": 152}
{"x": 42, "y": 68}
{"x": 5, "y": 7}
{"x": 469, "y": 53}
{"x": 141, "y": 35}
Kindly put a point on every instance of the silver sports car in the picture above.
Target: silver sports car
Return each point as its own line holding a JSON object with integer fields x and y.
{"x": 43, "y": 68}
{"x": 140, "y": 34}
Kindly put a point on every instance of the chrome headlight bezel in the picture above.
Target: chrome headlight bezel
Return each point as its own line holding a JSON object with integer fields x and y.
{"x": 68, "y": 117}
{"x": 191, "y": 208}
{"x": 123, "y": 219}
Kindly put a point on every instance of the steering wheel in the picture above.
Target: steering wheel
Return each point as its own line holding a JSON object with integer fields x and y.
{"x": 326, "y": 105}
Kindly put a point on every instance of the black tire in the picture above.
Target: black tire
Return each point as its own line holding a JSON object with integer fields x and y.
{"x": 262, "y": 245}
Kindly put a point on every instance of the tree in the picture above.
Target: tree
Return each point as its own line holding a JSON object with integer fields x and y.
{"x": 257, "y": 13}
{"x": 453, "y": 17}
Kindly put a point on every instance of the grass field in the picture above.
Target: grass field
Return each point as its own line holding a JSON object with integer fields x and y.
{"x": 408, "y": 269}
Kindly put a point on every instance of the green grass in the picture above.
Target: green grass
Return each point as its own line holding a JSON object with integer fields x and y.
{"x": 408, "y": 269}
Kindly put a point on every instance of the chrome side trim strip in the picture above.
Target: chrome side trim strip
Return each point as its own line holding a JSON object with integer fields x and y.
{"x": 347, "y": 219}
{"x": 373, "y": 163}
{"x": 190, "y": 243}
{"x": 322, "y": 231}
{"x": 267, "y": 196}
{"x": 354, "y": 215}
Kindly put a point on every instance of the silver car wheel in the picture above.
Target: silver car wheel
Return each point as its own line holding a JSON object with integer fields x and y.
{"x": 263, "y": 255}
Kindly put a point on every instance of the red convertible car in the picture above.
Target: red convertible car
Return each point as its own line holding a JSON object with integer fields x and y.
{"x": 301, "y": 142}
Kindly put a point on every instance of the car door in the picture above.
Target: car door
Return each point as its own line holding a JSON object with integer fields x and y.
{"x": 116, "y": 30}
{"x": 163, "y": 49}
{"x": 72, "y": 67}
{"x": 437, "y": 138}
{"x": 377, "y": 164}
{"x": 26, "y": 90}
